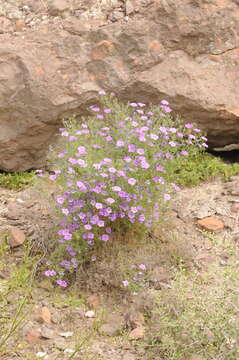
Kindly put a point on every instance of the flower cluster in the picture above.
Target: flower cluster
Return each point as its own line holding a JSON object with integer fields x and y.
{"x": 112, "y": 172}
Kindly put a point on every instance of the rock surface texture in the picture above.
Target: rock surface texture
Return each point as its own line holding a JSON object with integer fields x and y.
{"x": 55, "y": 55}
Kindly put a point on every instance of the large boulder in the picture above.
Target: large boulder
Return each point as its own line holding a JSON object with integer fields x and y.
{"x": 186, "y": 51}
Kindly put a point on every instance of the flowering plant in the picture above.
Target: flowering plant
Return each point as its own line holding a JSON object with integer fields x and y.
{"x": 112, "y": 172}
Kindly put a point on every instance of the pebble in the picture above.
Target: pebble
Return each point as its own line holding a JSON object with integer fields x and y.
{"x": 42, "y": 354}
{"x": 66, "y": 334}
{"x": 90, "y": 314}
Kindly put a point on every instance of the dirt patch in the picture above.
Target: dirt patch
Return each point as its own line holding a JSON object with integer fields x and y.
{"x": 102, "y": 328}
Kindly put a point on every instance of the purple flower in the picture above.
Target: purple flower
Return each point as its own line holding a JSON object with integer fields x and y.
{"x": 134, "y": 123}
{"x": 140, "y": 151}
{"x": 142, "y": 267}
{"x": 107, "y": 111}
{"x": 65, "y": 211}
{"x": 50, "y": 273}
{"x": 112, "y": 170}
{"x": 164, "y": 102}
{"x": 90, "y": 235}
{"x": 140, "y": 111}
{"x": 177, "y": 188}
{"x": 159, "y": 168}
{"x": 120, "y": 143}
{"x": 127, "y": 159}
{"x": 116, "y": 188}
{"x": 99, "y": 206}
{"x": 141, "y": 218}
{"x": 154, "y": 136}
{"x": 125, "y": 283}
{"x": 121, "y": 173}
{"x": 166, "y": 196}
{"x": 179, "y": 134}
{"x": 95, "y": 108}
{"x": 145, "y": 165}
{"x": 82, "y": 163}
{"x": 131, "y": 148}
{"x": 81, "y": 186}
{"x": 94, "y": 220}
{"x": 72, "y": 161}
{"x": 133, "y": 104}
{"x": 185, "y": 153}
{"x": 104, "y": 237}
{"x": 108, "y": 230}
{"x": 102, "y": 92}
{"x": 60, "y": 200}
{"x": 110, "y": 200}
{"x": 64, "y": 133}
{"x": 101, "y": 117}
{"x": 188, "y": 126}
{"x": 61, "y": 283}
{"x": 132, "y": 181}
{"x": 53, "y": 177}
{"x": 101, "y": 223}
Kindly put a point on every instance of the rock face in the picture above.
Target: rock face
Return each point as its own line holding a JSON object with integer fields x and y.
{"x": 143, "y": 50}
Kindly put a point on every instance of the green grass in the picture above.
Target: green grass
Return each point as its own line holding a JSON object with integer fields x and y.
{"x": 198, "y": 315}
{"x": 193, "y": 170}
{"x": 17, "y": 181}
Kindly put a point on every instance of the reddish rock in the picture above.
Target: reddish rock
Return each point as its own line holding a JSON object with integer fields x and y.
{"x": 33, "y": 336}
{"x": 210, "y": 223}
{"x": 44, "y": 315}
{"x": 93, "y": 301}
{"x": 235, "y": 208}
{"x": 19, "y": 25}
{"x": 16, "y": 237}
{"x": 137, "y": 333}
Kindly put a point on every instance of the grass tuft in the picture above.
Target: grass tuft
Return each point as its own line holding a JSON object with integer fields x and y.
{"x": 17, "y": 181}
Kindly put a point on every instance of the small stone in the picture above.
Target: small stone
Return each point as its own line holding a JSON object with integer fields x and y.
{"x": 128, "y": 356}
{"x": 57, "y": 7}
{"x": 69, "y": 351}
{"x": 66, "y": 334}
{"x": 47, "y": 333}
{"x": 235, "y": 208}
{"x": 60, "y": 343}
{"x": 93, "y": 301}
{"x": 41, "y": 354}
{"x": 44, "y": 315}
{"x": 19, "y": 26}
{"x": 134, "y": 319}
{"x": 130, "y": 8}
{"x": 211, "y": 223}
{"x": 137, "y": 333}
{"x": 111, "y": 328}
{"x": 90, "y": 314}
{"x": 16, "y": 237}
{"x": 33, "y": 336}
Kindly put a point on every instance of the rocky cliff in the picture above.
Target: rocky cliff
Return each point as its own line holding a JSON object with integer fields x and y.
{"x": 55, "y": 55}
